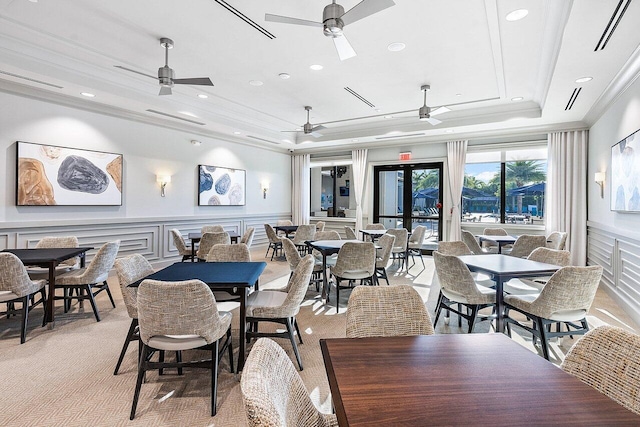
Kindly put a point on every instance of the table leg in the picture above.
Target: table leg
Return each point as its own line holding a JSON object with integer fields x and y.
{"x": 499, "y": 304}
{"x": 193, "y": 250}
{"x": 325, "y": 291}
{"x": 243, "y": 328}
{"x": 52, "y": 293}
{"x": 499, "y": 247}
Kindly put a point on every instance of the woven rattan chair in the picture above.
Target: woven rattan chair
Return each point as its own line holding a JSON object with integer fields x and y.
{"x": 534, "y": 285}
{"x": 459, "y": 287}
{"x": 351, "y": 235}
{"x": 414, "y": 246}
{"x": 566, "y": 298}
{"x": 229, "y": 253}
{"x": 273, "y": 392}
{"x": 212, "y": 229}
{"x": 383, "y": 254}
{"x": 304, "y": 233}
{"x": 608, "y": 359}
{"x": 387, "y": 312}
{"x": 17, "y": 287}
{"x": 275, "y": 242}
{"x": 471, "y": 242}
{"x": 327, "y": 235}
{"x": 557, "y": 240}
{"x": 92, "y": 279}
{"x": 281, "y": 306}
{"x": 209, "y": 240}
{"x": 375, "y": 226}
{"x": 320, "y": 225}
{"x": 456, "y": 248}
{"x": 180, "y": 245}
{"x": 66, "y": 265}
{"x": 176, "y": 316}
{"x": 399, "y": 250}
{"x": 356, "y": 261}
{"x": 247, "y": 237}
{"x": 527, "y": 243}
{"x": 284, "y": 222}
{"x": 494, "y": 231}
{"x": 130, "y": 269}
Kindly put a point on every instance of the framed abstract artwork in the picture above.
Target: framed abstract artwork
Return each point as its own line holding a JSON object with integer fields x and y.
{"x": 219, "y": 186}
{"x": 49, "y": 175}
{"x": 625, "y": 174}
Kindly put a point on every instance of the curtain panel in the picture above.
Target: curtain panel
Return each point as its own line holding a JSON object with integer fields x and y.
{"x": 359, "y": 158}
{"x": 456, "y": 156}
{"x": 300, "y": 188}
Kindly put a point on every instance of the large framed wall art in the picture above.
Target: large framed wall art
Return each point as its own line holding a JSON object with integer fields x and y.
{"x": 49, "y": 175}
{"x": 221, "y": 186}
{"x": 625, "y": 174}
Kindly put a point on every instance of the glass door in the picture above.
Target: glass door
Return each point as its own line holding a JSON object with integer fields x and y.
{"x": 409, "y": 195}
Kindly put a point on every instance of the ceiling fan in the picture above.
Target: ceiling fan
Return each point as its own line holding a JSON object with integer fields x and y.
{"x": 425, "y": 112}
{"x": 334, "y": 18}
{"x": 166, "y": 74}
{"x": 308, "y": 128}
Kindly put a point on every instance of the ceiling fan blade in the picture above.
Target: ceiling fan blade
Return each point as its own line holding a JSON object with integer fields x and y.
{"x": 165, "y": 90}
{"x": 439, "y": 110}
{"x": 345, "y": 51}
{"x": 433, "y": 121}
{"x": 316, "y": 134}
{"x": 203, "y": 81}
{"x": 319, "y": 127}
{"x": 289, "y": 20}
{"x": 365, "y": 8}
{"x": 135, "y": 71}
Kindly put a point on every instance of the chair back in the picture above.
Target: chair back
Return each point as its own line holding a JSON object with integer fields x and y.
{"x": 209, "y": 240}
{"x": 271, "y": 234}
{"x": 14, "y": 277}
{"x": 229, "y": 253}
{"x": 273, "y": 392}
{"x": 375, "y": 226}
{"x": 291, "y": 253}
{"x": 456, "y": 248}
{"x": 284, "y": 222}
{"x": 401, "y": 235}
{"x": 131, "y": 269}
{"x": 351, "y": 235}
{"x": 327, "y": 235}
{"x": 178, "y": 308}
{"x": 527, "y": 243}
{"x": 551, "y": 256}
{"x": 495, "y": 231}
{"x": 247, "y": 237}
{"x": 179, "y": 242}
{"x": 471, "y": 242}
{"x": 455, "y": 277}
{"x": 570, "y": 289}
{"x": 304, "y": 233}
{"x": 386, "y": 311}
{"x": 608, "y": 359}
{"x": 417, "y": 237}
{"x": 320, "y": 226}
{"x": 557, "y": 240}
{"x": 212, "y": 229}
{"x": 386, "y": 242}
{"x": 102, "y": 262}
{"x": 61, "y": 242}
{"x": 356, "y": 258}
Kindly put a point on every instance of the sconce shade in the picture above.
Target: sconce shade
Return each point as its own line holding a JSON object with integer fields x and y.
{"x": 163, "y": 179}
{"x": 599, "y": 177}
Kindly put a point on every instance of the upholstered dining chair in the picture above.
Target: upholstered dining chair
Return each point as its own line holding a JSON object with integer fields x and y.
{"x": 534, "y": 285}
{"x": 212, "y": 229}
{"x": 557, "y": 240}
{"x": 385, "y": 242}
{"x": 284, "y": 222}
{"x": 494, "y": 231}
{"x": 375, "y": 226}
{"x": 275, "y": 242}
{"x": 471, "y": 242}
{"x": 327, "y": 235}
{"x": 304, "y": 233}
{"x": 387, "y": 312}
{"x": 459, "y": 287}
{"x": 223, "y": 252}
{"x": 608, "y": 359}
{"x": 350, "y": 233}
{"x": 180, "y": 244}
{"x": 459, "y": 248}
{"x": 527, "y": 243}
{"x": 281, "y": 306}
{"x": 247, "y": 237}
{"x": 176, "y": 316}
{"x": 91, "y": 279}
{"x": 209, "y": 240}
{"x": 399, "y": 250}
{"x": 320, "y": 225}
{"x": 565, "y": 298}
{"x": 414, "y": 246}
{"x": 273, "y": 392}
{"x": 356, "y": 261}
{"x": 17, "y": 287}
{"x": 130, "y": 269}
{"x": 55, "y": 242}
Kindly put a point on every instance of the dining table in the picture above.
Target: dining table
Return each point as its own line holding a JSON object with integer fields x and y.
{"x": 373, "y": 234}
{"x": 286, "y": 229}
{"x": 50, "y": 258}
{"x": 457, "y": 379}
{"x": 236, "y": 278}
{"x": 499, "y": 240}
{"x": 197, "y": 236}
{"x": 502, "y": 268}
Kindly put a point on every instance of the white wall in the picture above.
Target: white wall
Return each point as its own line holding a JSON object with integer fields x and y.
{"x": 148, "y": 150}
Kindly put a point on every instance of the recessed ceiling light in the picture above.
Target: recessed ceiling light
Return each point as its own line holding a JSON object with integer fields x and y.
{"x": 316, "y": 67}
{"x": 298, "y": 129}
{"x": 202, "y": 96}
{"x": 256, "y": 83}
{"x": 237, "y": 133}
{"x": 516, "y": 15}
{"x": 449, "y": 131}
{"x": 388, "y": 117}
{"x": 87, "y": 94}
{"x": 187, "y": 113}
{"x": 584, "y": 79}
{"x": 355, "y": 140}
{"x": 286, "y": 140}
{"x": 458, "y": 94}
{"x": 33, "y": 1}
{"x": 396, "y": 47}
{"x": 378, "y": 110}
{"x": 195, "y": 142}
{"x": 517, "y": 98}
{"x": 284, "y": 76}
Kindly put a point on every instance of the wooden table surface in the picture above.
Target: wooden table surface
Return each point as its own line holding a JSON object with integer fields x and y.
{"x": 470, "y": 379}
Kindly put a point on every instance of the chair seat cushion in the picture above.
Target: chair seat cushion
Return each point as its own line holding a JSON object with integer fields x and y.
{"x": 487, "y": 296}
{"x": 355, "y": 274}
{"x": 77, "y": 277}
{"x": 522, "y": 287}
{"x": 264, "y": 299}
{"x": 6, "y": 296}
{"x": 176, "y": 342}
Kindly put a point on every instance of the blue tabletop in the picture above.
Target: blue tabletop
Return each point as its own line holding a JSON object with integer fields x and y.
{"x": 214, "y": 274}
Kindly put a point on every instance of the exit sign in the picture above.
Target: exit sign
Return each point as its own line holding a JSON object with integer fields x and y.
{"x": 405, "y": 156}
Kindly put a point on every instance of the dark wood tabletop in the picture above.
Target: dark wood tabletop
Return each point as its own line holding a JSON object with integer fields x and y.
{"x": 197, "y": 236}
{"x": 470, "y": 379}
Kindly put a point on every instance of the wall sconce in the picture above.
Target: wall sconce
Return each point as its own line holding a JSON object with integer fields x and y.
{"x": 599, "y": 178}
{"x": 163, "y": 180}
{"x": 265, "y": 187}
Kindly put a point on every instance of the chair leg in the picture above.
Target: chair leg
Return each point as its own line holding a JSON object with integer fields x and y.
{"x": 230, "y": 349}
{"x": 92, "y": 301}
{"x": 179, "y": 360}
{"x": 141, "y": 368}
{"x": 472, "y": 320}
{"x": 113, "y": 303}
{"x": 438, "y": 308}
{"x": 543, "y": 338}
{"x": 459, "y": 317}
{"x": 295, "y": 323}
{"x": 214, "y": 378}
{"x": 43, "y": 295}
{"x": 25, "y": 316}
{"x": 337, "y": 295}
{"x": 293, "y": 342}
{"x": 130, "y": 334}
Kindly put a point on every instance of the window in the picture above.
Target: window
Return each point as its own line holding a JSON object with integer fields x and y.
{"x": 331, "y": 193}
{"x": 505, "y": 186}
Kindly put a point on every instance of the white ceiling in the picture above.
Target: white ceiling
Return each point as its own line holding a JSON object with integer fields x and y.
{"x": 474, "y": 59}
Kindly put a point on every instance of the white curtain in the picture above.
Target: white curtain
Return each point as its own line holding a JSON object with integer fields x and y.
{"x": 566, "y": 193}
{"x": 456, "y": 155}
{"x": 300, "y": 188}
{"x": 359, "y": 171}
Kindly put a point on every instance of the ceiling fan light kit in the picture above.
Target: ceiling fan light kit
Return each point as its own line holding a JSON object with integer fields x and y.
{"x": 166, "y": 75}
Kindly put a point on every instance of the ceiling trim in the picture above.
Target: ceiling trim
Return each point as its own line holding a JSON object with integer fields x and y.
{"x": 493, "y": 21}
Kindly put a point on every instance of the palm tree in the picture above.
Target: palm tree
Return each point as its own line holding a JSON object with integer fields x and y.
{"x": 523, "y": 172}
